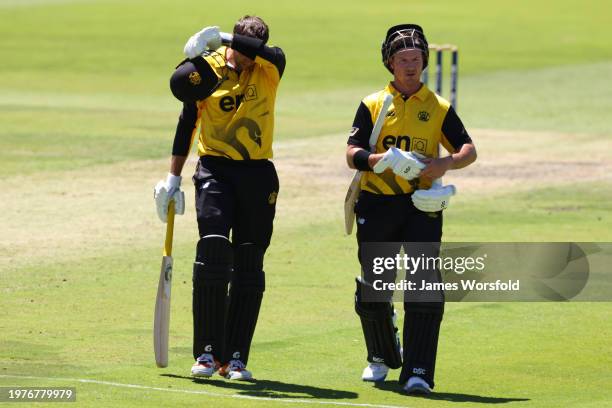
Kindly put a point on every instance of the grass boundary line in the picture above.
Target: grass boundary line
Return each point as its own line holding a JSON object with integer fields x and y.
{"x": 208, "y": 393}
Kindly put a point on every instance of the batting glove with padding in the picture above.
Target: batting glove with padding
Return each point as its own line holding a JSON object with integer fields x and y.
{"x": 209, "y": 38}
{"x": 435, "y": 199}
{"x": 166, "y": 190}
{"x": 404, "y": 164}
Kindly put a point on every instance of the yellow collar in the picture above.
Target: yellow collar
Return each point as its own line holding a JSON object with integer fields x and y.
{"x": 421, "y": 94}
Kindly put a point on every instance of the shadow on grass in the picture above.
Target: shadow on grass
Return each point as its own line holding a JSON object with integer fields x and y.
{"x": 271, "y": 389}
{"x": 448, "y": 396}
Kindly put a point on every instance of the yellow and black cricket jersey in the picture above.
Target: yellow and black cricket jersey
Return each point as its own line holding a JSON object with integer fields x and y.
{"x": 419, "y": 123}
{"x": 236, "y": 120}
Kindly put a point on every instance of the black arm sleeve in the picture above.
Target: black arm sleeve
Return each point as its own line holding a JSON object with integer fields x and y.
{"x": 254, "y": 47}
{"x": 193, "y": 80}
{"x": 454, "y": 131}
{"x": 362, "y": 128}
{"x": 184, "y": 129}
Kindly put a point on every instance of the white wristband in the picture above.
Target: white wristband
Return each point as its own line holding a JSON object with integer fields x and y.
{"x": 173, "y": 181}
{"x": 226, "y": 38}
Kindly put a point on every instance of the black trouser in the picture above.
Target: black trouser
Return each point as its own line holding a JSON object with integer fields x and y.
{"x": 393, "y": 218}
{"x": 236, "y": 196}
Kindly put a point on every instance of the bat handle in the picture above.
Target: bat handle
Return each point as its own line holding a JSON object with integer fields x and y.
{"x": 169, "y": 230}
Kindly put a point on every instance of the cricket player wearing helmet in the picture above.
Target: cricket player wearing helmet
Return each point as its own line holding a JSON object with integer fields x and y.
{"x": 228, "y": 87}
{"x": 400, "y": 199}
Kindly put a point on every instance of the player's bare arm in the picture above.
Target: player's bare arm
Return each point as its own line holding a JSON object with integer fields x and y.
{"x": 351, "y": 150}
{"x": 436, "y": 168}
{"x": 176, "y": 164}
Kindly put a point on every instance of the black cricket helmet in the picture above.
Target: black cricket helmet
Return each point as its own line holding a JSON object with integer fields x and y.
{"x": 404, "y": 36}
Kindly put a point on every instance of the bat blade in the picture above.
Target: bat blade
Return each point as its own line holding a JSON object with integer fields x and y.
{"x": 161, "y": 326}
{"x": 349, "y": 203}
{"x": 161, "y": 321}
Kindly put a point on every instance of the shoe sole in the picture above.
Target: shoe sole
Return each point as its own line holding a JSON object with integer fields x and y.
{"x": 418, "y": 391}
{"x": 201, "y": 374}
{"x": 238, "y": 378}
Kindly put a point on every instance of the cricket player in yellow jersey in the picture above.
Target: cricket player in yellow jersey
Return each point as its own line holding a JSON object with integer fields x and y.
{"x": 228, "y": 88}
{"x": 401, "y": 200}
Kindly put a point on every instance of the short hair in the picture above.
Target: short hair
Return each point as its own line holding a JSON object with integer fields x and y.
{"x": 252, "y": 26}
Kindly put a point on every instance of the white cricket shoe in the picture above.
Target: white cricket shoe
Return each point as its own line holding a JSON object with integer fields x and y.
{"x": 417, "y": 385}
{"x": 235, "y": 370}
{"x": 205, "y": 366}
{"x": 375, "y": 372}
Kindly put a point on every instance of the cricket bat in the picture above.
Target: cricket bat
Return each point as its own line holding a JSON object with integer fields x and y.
{"x": 161, "y": 324}
{"x": 355, "y": 187}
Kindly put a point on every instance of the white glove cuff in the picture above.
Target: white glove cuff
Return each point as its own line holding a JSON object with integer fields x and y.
{"x": 173, "y": 181}
{"x": 226, "y": 38}
{"x": 451, "y": 189}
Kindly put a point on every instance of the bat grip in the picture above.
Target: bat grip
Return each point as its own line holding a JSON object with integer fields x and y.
{"x": 169, "y": 230}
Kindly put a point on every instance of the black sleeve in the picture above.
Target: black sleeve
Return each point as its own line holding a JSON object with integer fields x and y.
{"x": 362, "y": 128}
{"x": 184, "y": 129}
{"x": 193, "y": 80}
{"x": 454, "y": 131}
{"x": 254, "y": 47}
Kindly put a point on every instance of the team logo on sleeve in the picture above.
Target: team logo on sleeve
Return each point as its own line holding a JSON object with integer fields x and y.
{"x": 423, "y": 116}
{"x": 353, "y": 131}
{"x": 195, "y": 78}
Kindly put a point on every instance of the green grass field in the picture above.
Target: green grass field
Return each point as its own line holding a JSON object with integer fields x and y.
{"x": 86, "y": 126}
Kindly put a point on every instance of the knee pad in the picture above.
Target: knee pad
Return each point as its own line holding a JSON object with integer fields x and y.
{"x": 248, "y": 267}
{"x": 379, "y": 330}
{"x": 214, "y": 257}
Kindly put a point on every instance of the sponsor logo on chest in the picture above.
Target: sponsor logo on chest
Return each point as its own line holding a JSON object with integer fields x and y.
{"x": 229, "y": 102}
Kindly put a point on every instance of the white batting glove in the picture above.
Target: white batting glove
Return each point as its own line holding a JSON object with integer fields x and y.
{"x": 208, "y": 38}
{"x": 435, "y": 199}
{"x": 403, "y": 164}
{"x": 166, "y": 190}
